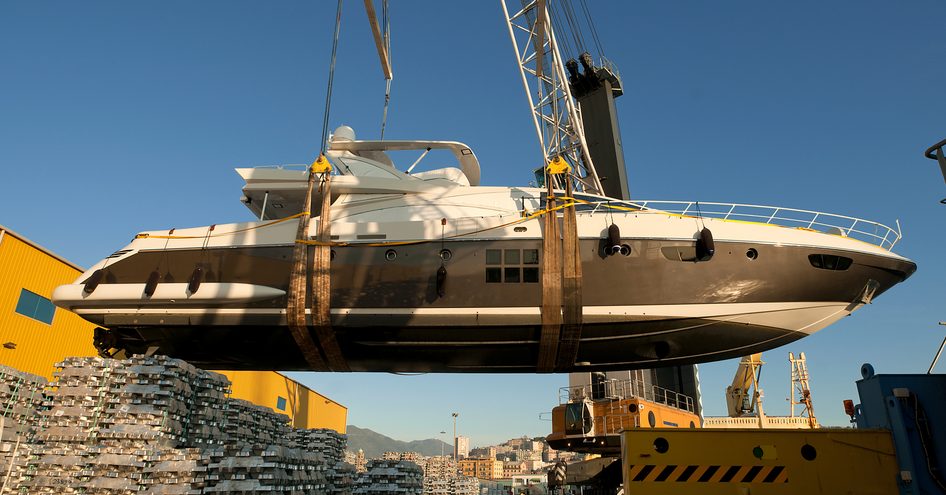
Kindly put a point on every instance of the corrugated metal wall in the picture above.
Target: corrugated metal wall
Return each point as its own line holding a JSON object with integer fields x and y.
{"x": 306, "y": 408}
{"x": 38, "y": 345}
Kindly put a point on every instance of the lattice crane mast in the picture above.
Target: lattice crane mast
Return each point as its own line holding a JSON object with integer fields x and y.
{"x": 556, "y": 115}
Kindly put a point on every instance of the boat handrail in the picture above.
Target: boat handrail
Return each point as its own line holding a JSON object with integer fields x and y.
{"x": 615, "y": 389}
{"x": 829, "y": 223}
{"x": 286, "y": 166}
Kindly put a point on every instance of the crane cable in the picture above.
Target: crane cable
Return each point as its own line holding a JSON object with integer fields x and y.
{"x": 386, "y": 20}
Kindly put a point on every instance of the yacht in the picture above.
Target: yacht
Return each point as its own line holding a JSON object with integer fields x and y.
{"x": 663, "y": 282}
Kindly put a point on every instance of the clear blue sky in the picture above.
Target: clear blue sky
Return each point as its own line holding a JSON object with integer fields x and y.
{"x": 117, "y": 117}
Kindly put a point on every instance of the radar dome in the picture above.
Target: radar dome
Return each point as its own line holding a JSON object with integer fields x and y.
{"x": 343, "y": 133}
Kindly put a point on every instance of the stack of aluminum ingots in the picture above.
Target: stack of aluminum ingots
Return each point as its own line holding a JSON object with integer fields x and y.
{"x": 389, "y": 476}
{"x": 158, "y": 426}
{"x": 272, "y": 469}
{"x": 108, "y": 419}
{"x": 331, "y": 445}
{"x": 249, "y": 423}
{"x": 209, "y": 413}
{"x": 175, "y": 472}
{"x": 21, "y": 397}
{"x": 78, "y": 396}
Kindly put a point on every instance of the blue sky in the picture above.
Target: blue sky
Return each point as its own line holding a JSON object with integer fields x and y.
{"x": 117, "y": 117}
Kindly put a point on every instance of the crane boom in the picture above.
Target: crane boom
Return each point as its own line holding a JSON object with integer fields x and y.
{"x": 556, "y": 116}
{"x": 742, "y": 397}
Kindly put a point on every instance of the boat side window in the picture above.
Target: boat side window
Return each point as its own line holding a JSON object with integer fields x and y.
{"x": 512, "y": 266}
{"x": 829, "y": 262}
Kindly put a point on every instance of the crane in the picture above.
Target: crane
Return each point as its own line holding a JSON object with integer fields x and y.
{"x": 744, "y": 397}
{"x": 555, "y": 114}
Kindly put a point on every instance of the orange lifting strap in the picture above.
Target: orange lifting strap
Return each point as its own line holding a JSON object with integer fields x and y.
{"x": 561, "y": 281}
{"x": 322, "y": 281}
{"x": 571, "y": 287}
{"x": 296, "y": 303}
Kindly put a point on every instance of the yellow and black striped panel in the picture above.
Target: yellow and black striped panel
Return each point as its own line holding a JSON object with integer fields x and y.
{"x": 655, "y": 473}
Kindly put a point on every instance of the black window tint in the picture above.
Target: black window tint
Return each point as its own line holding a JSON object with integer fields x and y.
{"x": 494, "y": 256}
{"x": 844, "y": 263}
{"x": 511, "y": 275}
{"x": 530, "y": 256}
{"x": 530, "y": 275}
{"x": 494, "y": 275}
{"x": 830, "y": 262}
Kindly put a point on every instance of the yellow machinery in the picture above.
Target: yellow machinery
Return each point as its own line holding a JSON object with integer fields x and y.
{"x": 744, "y": 398}
{"x": 836, "y": 461}
{"x": 591, "y": 418}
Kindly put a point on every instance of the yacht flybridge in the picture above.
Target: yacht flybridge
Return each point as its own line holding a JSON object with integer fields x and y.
{"x": 656, "y": 288}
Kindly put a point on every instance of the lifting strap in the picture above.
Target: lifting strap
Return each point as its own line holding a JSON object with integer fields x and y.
{"x": 296, "y": 304}
{"x": 551, "y": 285}
{"x": 322, "y": 278}
{"x": 571, "y": 286}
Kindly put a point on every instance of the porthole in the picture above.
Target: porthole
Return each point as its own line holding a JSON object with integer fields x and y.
{"x": 652, "y": 419}
{"x": 808, "y": 452}
{"x": 390, "y": 255}
{"x": 632, "y": 408}
{"x": 661, "y": 445}
{"x": 446, "y": 254}
{"x": 752, "y": 254}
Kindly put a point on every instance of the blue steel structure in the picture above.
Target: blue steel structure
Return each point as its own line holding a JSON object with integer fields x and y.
{"x": 911, "y": 407}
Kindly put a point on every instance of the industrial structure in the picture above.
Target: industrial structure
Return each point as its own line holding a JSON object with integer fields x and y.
{"x": 744, "y": 398}
{"x": 36, "y": 335}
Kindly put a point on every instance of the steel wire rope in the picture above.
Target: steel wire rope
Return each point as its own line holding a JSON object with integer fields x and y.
{"x": 594, "y": 30}
{"x": 386, "y": 21}
{"x": 331, "y": 78}
{"x": 572, "y": 20}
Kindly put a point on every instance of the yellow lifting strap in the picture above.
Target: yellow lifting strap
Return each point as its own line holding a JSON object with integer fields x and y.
{"x": 558, "y": 166}
{"x": 296, "y": 301}
{"x": 321, "y": 166}
{"x": 322, "y": 281}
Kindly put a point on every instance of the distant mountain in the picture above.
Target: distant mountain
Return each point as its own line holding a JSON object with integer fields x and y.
{"x": 374, "y": 444}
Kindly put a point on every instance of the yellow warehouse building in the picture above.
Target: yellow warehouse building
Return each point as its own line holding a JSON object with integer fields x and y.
{"x": 35, "y": 335}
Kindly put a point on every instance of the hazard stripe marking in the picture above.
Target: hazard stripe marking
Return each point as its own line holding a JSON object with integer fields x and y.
{"x": 685, "y": 475}
{"x": 667, "y": 471}
{"x": 644, "y": 472}
{"x": 651, "y": 473}
{"x": 753, "y": 472}
{"x": 708, "y": 474}
{"x": 730, "y": 474}
{"x": 769, "y": 478}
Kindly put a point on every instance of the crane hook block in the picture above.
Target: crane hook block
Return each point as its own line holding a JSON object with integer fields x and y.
{"x": 321, "y": 166}
{"x": 558, "y": 166}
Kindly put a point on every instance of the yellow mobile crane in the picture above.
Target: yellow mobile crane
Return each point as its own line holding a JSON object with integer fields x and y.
{"x": 744, "y": 398}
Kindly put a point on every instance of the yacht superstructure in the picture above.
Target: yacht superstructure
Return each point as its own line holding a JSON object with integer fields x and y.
{"x": 653, "y": 296}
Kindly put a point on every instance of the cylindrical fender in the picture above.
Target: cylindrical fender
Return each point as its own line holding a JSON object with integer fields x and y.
{"x": 614, "y": 240}
{"x": 441, "y": 281}
{"x": 93, "y": 281}
{"x": 705, "y": 246}
{"x": 152, "y": 283}
{"x": 196, "y": 278}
